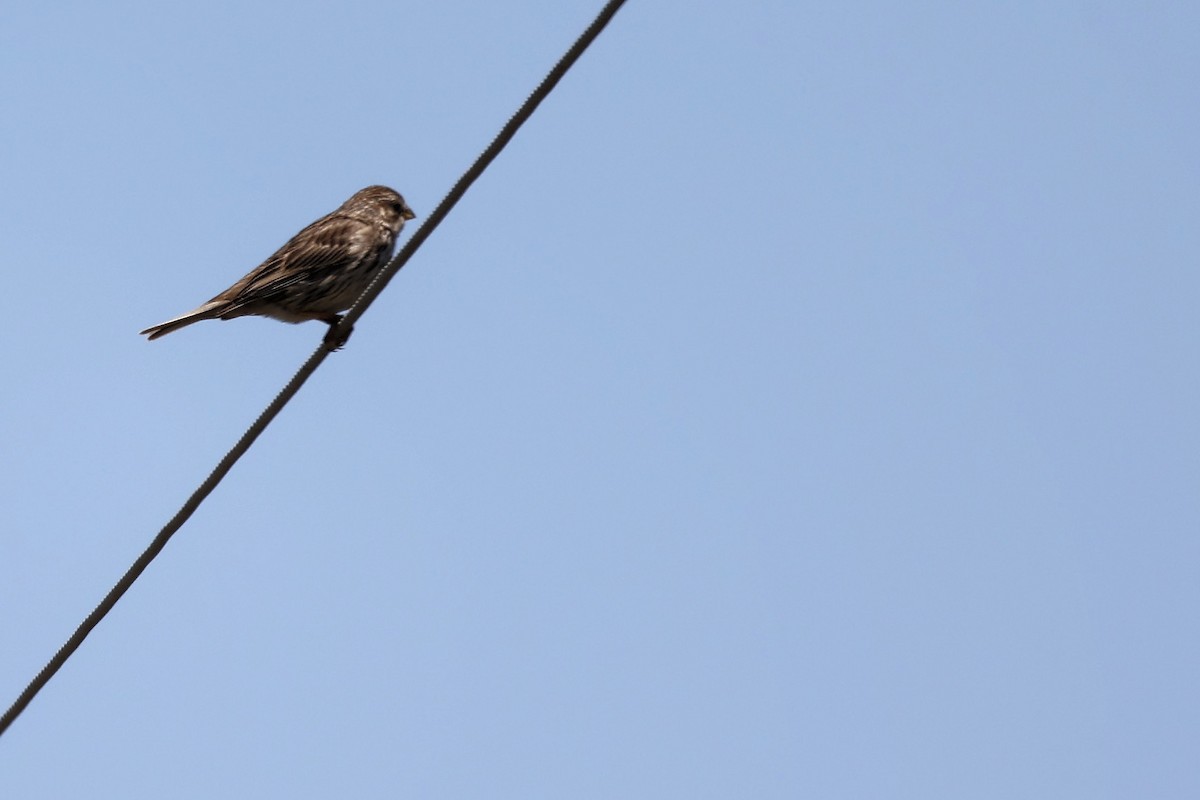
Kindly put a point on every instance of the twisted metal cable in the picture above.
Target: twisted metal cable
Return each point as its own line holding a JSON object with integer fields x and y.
{"x": 309, "y": 367}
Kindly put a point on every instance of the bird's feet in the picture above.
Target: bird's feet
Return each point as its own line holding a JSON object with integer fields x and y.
{"x": 335, "y": 338}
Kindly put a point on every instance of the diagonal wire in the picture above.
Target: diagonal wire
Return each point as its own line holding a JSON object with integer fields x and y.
{"x": 309, "y": 367}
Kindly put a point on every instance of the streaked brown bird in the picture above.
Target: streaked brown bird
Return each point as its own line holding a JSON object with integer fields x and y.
{"x": 320, "y": 271}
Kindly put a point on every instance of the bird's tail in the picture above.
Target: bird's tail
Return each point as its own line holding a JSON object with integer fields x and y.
{"x": 210, "y": 310}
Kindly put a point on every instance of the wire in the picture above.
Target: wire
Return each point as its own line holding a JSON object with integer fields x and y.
{"x": 309, "y": 367}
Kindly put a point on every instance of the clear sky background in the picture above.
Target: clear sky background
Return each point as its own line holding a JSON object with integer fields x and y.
{"x": 804, "y": 405}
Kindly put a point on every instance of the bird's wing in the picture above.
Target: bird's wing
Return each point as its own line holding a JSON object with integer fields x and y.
{"x": 319, "y": 249}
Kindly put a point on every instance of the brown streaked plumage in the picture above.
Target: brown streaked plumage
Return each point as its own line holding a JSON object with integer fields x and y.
{"x": 319, "y": 272}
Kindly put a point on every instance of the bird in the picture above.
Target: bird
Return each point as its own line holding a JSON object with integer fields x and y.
{"x": 319, "y": 272}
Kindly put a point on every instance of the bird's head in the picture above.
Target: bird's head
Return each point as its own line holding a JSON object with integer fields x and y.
{"x": 385, "y": 202}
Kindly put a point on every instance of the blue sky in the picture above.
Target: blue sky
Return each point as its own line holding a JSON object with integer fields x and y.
{"x": 802, "y": 406}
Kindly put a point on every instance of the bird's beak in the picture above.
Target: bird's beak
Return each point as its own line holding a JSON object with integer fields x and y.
{"x": 407, "y": 213}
